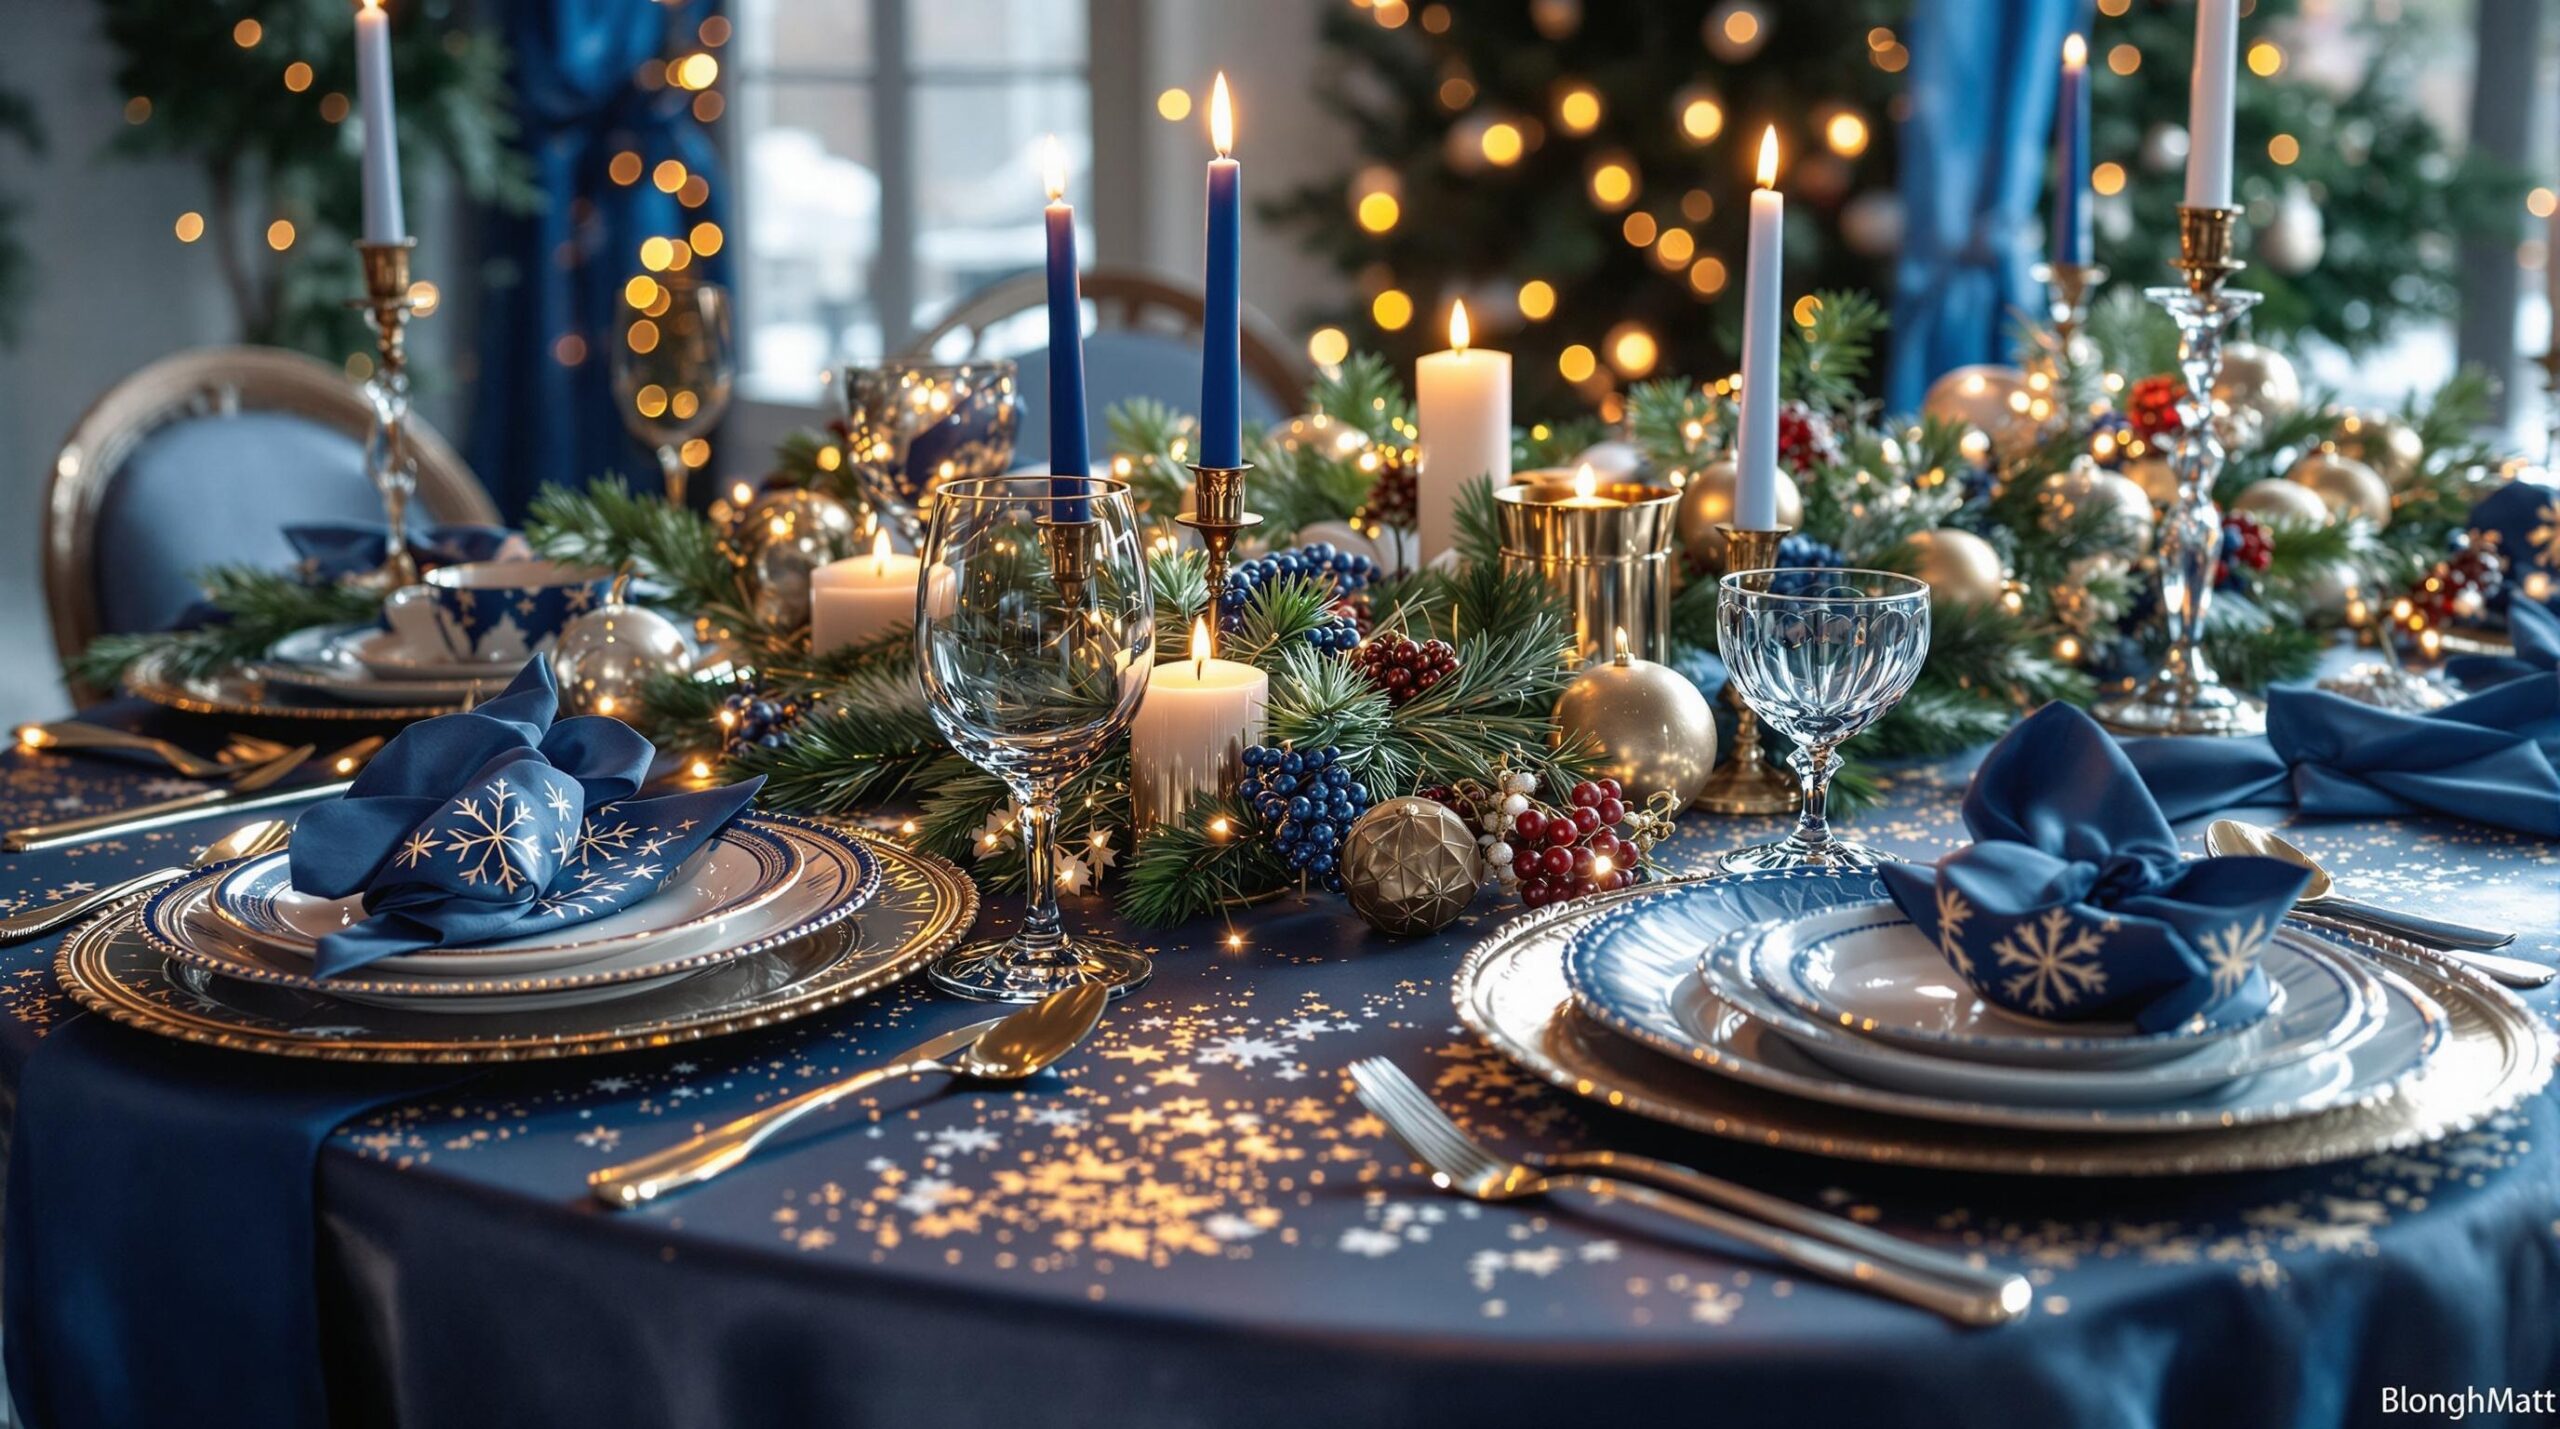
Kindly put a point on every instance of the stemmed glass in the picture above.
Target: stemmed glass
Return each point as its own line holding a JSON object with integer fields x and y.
{"x": 1035, "y": 633}
{"x": 673, "y": 368}
{"x": 1819, "y": 655}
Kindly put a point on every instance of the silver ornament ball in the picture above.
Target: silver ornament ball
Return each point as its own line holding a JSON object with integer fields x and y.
{"x": 604, "y": 658}
{"x": 789, "y": 534}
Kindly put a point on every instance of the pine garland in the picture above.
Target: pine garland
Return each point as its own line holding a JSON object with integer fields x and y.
{"x": 258, "y": 608}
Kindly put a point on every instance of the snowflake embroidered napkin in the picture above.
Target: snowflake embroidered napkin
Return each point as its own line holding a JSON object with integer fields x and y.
{"x": 474, "y": 827}
{"x": 2072, "y": 903}
{"x": 2535, "y": 632}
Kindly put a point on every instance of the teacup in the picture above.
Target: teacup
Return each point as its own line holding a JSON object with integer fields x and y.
{"x": 493, "y": 610}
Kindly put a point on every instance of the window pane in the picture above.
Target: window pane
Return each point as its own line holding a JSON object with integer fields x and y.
{"x": 996, "y": 34}
{"x": 979, "y": 193}
{"x": 804, "y": 36}
{"x": 812, "y": 233}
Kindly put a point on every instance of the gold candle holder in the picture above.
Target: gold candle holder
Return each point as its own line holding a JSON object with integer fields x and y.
{"x": 1748, "y": 783}
{"x": 1607, "y": 549}
{"x": 1217, "y": 513}
{"x": 387, "y": 305}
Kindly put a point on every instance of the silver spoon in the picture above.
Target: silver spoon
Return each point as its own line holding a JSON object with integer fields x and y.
{"x": 2230, "y": 836}
{"x": 1003, "y": 1051}
{"x": 262, "y": 836}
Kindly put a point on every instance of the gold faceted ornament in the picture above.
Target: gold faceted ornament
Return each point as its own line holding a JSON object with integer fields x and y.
{"x": 1410, "y": 866}
{"x": 2258, "y": 383}
{"x": 2277, "y": 501}
{"x": 1654, "y": 731}
{"x": 1998, "y": 401}
{"x": 2152, "y": 472}
{"x": 2345, "y": 485}
{"x": 788, "y": 534}
{"x": 2383, "y": 442}
{"x": 1707, "y": 502}
{"x": 1958, "y": 565}
{"x": 2082, "y": 485}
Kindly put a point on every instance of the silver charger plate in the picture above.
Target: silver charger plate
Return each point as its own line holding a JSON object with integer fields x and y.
{"x": 245, "y": 693}
{"x": 743, "y": 868}
{"x": 924, "y": 906}
{"x": 317, "y": 660}
{"x": 1511, "y": 990}
{"x": 1870, "y": 968}
{"x": 1636, "y": 970}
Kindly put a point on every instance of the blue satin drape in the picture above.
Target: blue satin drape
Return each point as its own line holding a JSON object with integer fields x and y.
{"x": 1984, "y": 76}
{"x": 558, "y": 273}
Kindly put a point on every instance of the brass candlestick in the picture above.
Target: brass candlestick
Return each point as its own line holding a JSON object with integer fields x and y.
{"x": 2185, "y": 696}
{"x": 2068, "y": 288}
{"x": 388, "y": 460}
{"x": 1217, "y": 513}
{"x": 1748, "y": 783}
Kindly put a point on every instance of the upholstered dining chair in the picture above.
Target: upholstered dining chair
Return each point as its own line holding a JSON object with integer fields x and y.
{"x": 202, "y": 459}
{"x": 1145, "y": 343}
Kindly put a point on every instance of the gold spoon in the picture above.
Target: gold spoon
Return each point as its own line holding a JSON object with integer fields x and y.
{"x": 261, "y": 836}
{"x": 2225, "y": 837}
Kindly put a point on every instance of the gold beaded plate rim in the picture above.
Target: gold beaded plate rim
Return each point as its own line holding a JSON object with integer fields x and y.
{"x": 241, "y": 695}
{"x": 1511, "y": 991}
{"x": 100, "y": 968}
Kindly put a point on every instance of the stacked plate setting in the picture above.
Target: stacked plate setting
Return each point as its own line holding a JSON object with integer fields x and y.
{"x": 760, "y": 885}
{"x": 1802, "y": 1009}
{"x": 368, "y": 665}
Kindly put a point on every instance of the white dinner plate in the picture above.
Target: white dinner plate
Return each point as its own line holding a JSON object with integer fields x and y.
{"x": 318, "y": 660}
{"x": 1869, "y": 969}
{"x": 389, "y": 657}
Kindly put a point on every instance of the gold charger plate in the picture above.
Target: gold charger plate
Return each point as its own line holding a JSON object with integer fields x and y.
{"x": 241, "y": 694}
{"x": 1511, "y": 991}
{"x": 922, "y": 907}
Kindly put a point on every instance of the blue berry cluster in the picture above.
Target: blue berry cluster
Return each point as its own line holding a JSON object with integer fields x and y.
{"x": 2111, "y": 424}
{"x": 1306, "y": 799}
{"x": 753, "y": 720}
{"x": 1798, "y": 551}
{"x": 1351, "y": 573}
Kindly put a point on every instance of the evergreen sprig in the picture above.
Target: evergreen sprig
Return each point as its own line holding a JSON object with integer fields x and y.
{"x": 256, "y": 607}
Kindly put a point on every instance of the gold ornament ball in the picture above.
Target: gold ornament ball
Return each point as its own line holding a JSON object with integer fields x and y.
{"x": 2155, "y": 476}
{"x": 1707, "y": 501}
{"x": 2281, "y": 502}
{"x": 1958, "y": 565}
{"x": 1654, "y": 731}
{"x": 2345, "y": 485}
{"x": 2385, "y": 443}
{"x": 2082, "y": 485}
{"x": 603, "y": 658}
{"x": 1994, "y": 399}
{"x": 2327, "y": 591}
{"x": 788, "y": 534}
{"x": 2258, "y": 382}
{"x": 1410, "y": 866}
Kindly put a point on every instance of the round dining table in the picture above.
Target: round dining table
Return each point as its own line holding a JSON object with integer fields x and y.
{"x": 1191, "y": 1221}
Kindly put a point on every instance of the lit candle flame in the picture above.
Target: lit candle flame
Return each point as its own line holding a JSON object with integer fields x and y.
{"x": 1458, "y": 333}
{"x": 1586, "y": 482}
{"x": 2075, "y": 52}
{"x": 1769, "y": 157}
{"x": 1622, "y": 642}
{"x": 1053, "y": 168}
{"x": 1222, "y": 117}
{"x": 880, "y": 555}
{"x": 1200, "y": 647}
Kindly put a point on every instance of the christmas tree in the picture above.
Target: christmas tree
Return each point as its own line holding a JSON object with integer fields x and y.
{"x": 1575, "y": 172}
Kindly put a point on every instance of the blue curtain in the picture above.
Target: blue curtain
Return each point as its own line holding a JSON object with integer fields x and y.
{"x": 1984, "y": 76}
{"x": 551, "y": 304}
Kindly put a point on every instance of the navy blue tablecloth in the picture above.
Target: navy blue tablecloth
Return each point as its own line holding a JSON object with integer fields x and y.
{"x": 1194, "y": 1223}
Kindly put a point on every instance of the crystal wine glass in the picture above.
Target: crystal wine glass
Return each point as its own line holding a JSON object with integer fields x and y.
{"x": 1819, "y": 655}
{"x": 1035, "y": 633}
{"x": 673, "y": 368}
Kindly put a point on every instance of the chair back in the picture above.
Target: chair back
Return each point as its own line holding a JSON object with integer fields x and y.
{"x": 202, "y": 459}
{"x": 1145, "y": 343}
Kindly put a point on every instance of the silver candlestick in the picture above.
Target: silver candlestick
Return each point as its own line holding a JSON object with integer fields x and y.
{"x": 2185, "y": 696}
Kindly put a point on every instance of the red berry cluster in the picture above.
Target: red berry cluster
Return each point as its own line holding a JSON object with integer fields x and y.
{"x": 1805, "y": 442}
{"x": 2459, "y": 587}
{"x": 2244, "y": 544}
{"x": 1403, "y": 668}
{"x": 1394, "y": 498}
{"x": 1576, "y": 851}
{"x": 2151, "y": 405}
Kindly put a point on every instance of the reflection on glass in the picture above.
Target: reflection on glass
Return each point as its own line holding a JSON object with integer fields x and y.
{"x": 1819, "y": 654}
{"x": 1035, "y": 637}
{"x": 673, "y": 368}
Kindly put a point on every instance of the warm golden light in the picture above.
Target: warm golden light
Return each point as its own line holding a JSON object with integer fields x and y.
{"x": 1613, "y": 183}
{"x": 2075, "y": 52}
{"x": 1620, "y": 648}
{"x": 33, "y": 737}
{"x": 1577, "y": 363}
{"x": 1846, "y": 134}
{"x": 1769, "y": 157}
{"x": 1578, "y": 110}
{"x": 1502, "y": 144}
{"x": 1458, "y": 332}
{"x": 1328, "y": 346}
{"x": 1174, "y": 105}
{"x": 1222, "y": 118}
{"x": 2107, "y": 178}
{"x": 1053, "y": 168}
{"x": 190, "y": 226}
{"x": 1586, "y": 485}
{"x": 880, "y": 554}
{"x": 1378, "y": 212}
{"x": 1199, "y": 642}
{"x": 1701, "y": 119}
{"x": 1391, "y": 309}
{"x": 1537, "y": 299}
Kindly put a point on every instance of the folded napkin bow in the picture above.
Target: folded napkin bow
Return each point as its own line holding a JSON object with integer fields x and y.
{"x": 2073, "y": 904}
{"x": 2536, "y": 634}
{"x": 334, "y": 550}
{"x": 2492, "y": 758}
{"x": 473, "y": 827}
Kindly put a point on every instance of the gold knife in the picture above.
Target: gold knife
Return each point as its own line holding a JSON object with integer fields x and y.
{"x": 250, "y": 791}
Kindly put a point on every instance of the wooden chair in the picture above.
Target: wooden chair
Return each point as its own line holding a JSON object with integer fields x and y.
{"x": 201, "y": 459}
{"x": 1145, "y": 343}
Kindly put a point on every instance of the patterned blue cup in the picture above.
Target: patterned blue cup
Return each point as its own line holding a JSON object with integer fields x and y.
{"x": 493, "y": 610}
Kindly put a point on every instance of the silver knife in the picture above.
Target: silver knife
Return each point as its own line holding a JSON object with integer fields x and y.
{"x": 241, "y": 795}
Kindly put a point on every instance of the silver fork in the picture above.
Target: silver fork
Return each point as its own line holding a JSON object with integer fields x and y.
{"x": 1809, "y": 1240}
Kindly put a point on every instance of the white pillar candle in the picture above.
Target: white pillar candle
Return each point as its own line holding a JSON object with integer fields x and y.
{"x": 1755, "y": 458}
{"x": 1191, "y": 730}
{"x": 2209, "y": 93}
{"x": 383, "y": 220}
{"x": 862, "y": 597}
{"x": 1462, "y": 406}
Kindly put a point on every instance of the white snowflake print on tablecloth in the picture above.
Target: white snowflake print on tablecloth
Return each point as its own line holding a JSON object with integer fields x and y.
{"x": 2057, "y": 960}
{"x": 2231, "y": 951}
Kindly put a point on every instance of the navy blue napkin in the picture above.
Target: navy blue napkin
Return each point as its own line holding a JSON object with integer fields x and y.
{"x": 2536, "y": 634}
{"x": 473, "y": 827}
{"x": 2489, "y": 758}
{"x": 2072, "y": 902}
{"x": 334, "y": 550}
{"x": 161, "y": 1230}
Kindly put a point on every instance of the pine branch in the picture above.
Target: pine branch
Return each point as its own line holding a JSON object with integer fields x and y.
{"x": 1278, "y": 616}
{"x": 1677, "y": 424}
{"x": 609, "y": 525}
{"x": 681, "y": 714}
{"x": 261, "y": 607}
{"x": 1366, "y": 393}
{"x": 1824, "y": 363}
{"x": 872, "y": 742}
{"x": 1553, "y": 444}
{"x": 1192, "y": 868}
{"x": 1319, "y": 700}
{"x": 1477, "y": 537}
